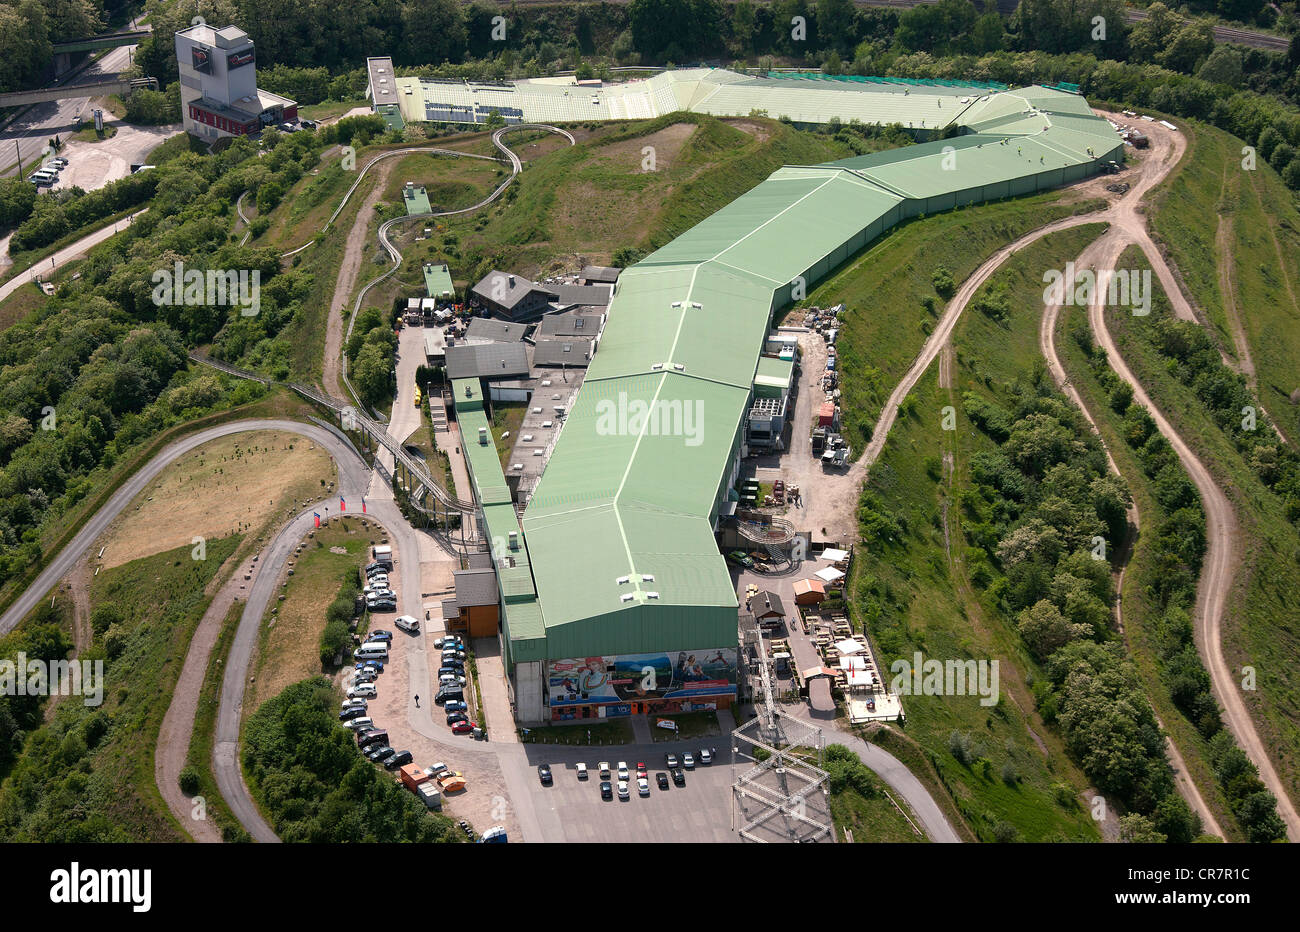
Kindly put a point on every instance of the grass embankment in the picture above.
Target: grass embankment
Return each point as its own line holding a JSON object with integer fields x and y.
{"x": 289, "y": 645}
{"x": 914, "y": 593}
{"x": 1261, "y": 629}
{"x": 102, "y": 483}
{"x": 89, "y": 774}
{"x": 1234, "y": 235}
{"x": 890, "y": 297}
{"x": 244, "y": 483}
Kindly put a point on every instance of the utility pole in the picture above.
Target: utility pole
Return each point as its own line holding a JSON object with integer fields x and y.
{"x": 20, "y": 160}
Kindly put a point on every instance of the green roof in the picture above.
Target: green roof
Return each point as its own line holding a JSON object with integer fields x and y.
{"x": 644, "y": 456}
{"x": 774, "y": 373}
{"x": 437, "y": 280}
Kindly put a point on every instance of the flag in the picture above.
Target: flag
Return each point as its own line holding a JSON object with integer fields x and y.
{"x": 363, "y": 505}
{"x": 317, "y": 515}
{"x": 343, "y": 503}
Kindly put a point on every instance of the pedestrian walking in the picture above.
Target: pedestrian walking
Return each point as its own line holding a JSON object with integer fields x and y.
{"x": 417, "y": 700}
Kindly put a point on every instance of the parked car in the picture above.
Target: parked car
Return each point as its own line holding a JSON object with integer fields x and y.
{"x": 706, "y": 756}
{"x": 59, "y": 163}
{"x": 287, "y": 128}
{"x": 376, "y": 665}
{"x": 582, "y": 771}
{"x": 362, "y": 691}
{"x": 678, "y": 777}
{"x": 544, "y": 774}
{"x": 454, "y": 717}
{"x": 379, "y": 754}
{"x": 670, "y": 760}
{"x": 352, "y": 711}
{"x": 463, "y": 728}
{"x": 643, "y": 786}
{"x": 372, "y": 568}
{"x": 453, "y": 655}
{"x": 451, "y": 678}
{"x": 308, "y": 124}
{"x": 622, "y": 790}
{"x": 372, "y": 738}
{"x": 662, "y": 779}
{"x": 448, "y": 639}
{"x": 455, "y": 705}
{"x": 436, "y": 769}
{"x": 622, "y": 771}
{"x": 397, "y": 760}
{"x": 360, "y": 723}
{"x": 449, "y": 694}
{"x": 354, "y": 703}
{"x": 688, "y": 761}
{"x": 606, "y": 791}
{"x": 382, "y": 607}
{"x": 365, "y": 676}
{"x": 381, "y": 635}
{"x": 640, "y": 770}
{"x": 408, "y": 623}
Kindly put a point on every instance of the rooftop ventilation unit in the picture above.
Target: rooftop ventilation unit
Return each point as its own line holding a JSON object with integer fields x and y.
{"x": 678, "y": 366}
{"x": 519, "y": 466}
{"x": 548, "y": 423}
{"x": 546, "y": 383}
{"x": 527, "y": 438}
{"x": 537, "y": 410}
{"x": 657, "y": 365}
{"x": 647, "y": 577}
{"x": 625, "y": 597}
{"x": 514, "y": 540}
{"x": 652, "y": 595}
{"x": 538, "y": 452}
{"x": 483, "y": 435}
{"x": 622, "y": 580}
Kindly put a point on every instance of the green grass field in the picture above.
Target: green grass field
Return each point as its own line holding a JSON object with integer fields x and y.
{"x": 1213, "y": 214}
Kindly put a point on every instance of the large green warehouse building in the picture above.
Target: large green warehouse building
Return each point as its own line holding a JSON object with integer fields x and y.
{"x": 629, "y": 607}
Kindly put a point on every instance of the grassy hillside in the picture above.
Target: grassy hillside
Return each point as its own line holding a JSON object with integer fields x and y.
{"x": 1007, "y": 770}
{"x": 88, "y": 775}
{"x": 890, "y": 295}
{"x": 1234, "y": 235}
{"x": 1261, "y": 627}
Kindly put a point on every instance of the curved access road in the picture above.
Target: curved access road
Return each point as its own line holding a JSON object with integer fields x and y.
{"x": 68, "y": 253}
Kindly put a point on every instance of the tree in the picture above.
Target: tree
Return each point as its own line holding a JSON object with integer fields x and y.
{"x": 1222, "y": 67}
{"x": 835, "y": 24}
{"x": 742, "y": 27}
{"x": 1137, "y": 829}
{"x": 1045, "y": 630}
{"x": 371, "y": 372}
{"x": 1151, "y": 36}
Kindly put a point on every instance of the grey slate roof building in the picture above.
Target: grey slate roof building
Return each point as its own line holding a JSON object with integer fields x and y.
{"x": 475, "y": 587}
{"x": 569, "y": 324}
{"x": 586, "y": 295}
{"x": 558, "y": 353}
{"x": 512, "y": 296}
{"x": 491, "y": 330}
{"x": 598, "y": 275}
{"x": 765, "y": 604}
{"x": 487, "y": 361}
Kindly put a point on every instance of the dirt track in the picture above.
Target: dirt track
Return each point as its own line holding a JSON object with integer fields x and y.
{"x": 1127, "y": 227}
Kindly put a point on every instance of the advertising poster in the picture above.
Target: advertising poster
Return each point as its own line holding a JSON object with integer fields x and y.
{"x": 636, "y": 677}
{"x": 239, "y": 59}
{"x": 202, "y": 59}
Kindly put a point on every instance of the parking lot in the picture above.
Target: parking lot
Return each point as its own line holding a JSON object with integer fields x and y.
{"x": 571, "y": 810}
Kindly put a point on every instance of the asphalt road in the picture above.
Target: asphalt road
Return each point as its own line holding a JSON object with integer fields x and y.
{"x": 33, "y": 129}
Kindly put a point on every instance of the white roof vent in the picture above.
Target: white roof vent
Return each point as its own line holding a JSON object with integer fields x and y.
{"x": 546, "y": 383}
{"x": 527, "y": 438}
{"x": 625, "y": 597}
{"x": 548, "y": 423}
{"x": 537, "y": 410}
{"x": 657, "y": 365}
{"x": 622, "y": 580}
{"x": 517, "y": 466}
{"x": 538, "y": 452}
{"x": 652, "y": 595}
{"x": 678, "y": 366}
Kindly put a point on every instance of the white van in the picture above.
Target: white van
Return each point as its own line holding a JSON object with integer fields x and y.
{"x": 377, "y": 651}
{"x": 44, "y": 178}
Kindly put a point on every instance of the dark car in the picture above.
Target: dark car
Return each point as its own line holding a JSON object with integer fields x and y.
{"x": 380, "y": 636}
{"x": 371, "y": 738}
{"x": 380, "y": 754}
{"x": 606, "y": 790}
{"x": 383, "y": 607}
{"x": 397, "y": 760}
{"x": 373, "y": 568}
{"x": 454, "y": 717}
{"x": 308, "y": 124}
{"x": 544, "y": 774}
{"x": 662, "y": 779}
{"x": 679, "y": 777}
{"x": 452, "y": 671}
{"x": 355, "y": 711}
{"x": 375, "y": 665}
